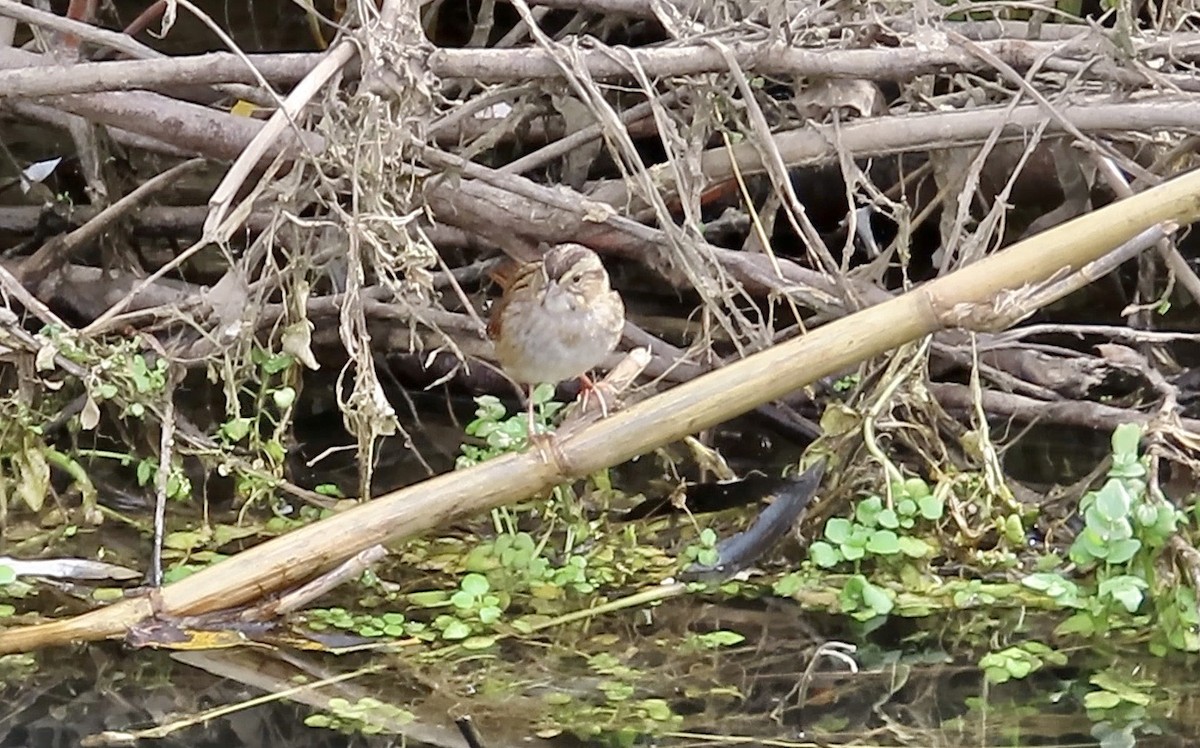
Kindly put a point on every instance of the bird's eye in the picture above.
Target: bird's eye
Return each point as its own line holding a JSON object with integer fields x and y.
{"x": 576, "y": 277}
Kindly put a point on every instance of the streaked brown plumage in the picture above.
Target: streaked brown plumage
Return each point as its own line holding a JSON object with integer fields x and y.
{"x": 557, "y": 320}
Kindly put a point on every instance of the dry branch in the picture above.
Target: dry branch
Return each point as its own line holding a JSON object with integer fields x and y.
{"x": 762, "y": 58}
{"x": 193, "y": 128}
{"x": 62, "y": 120}
{"x": 1081, "y": 413}
{"x": 880, "y": 136}
{"x": 20, "y": 77}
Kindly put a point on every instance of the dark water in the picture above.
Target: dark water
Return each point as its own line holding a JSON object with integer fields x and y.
{"x": 915, "y": 686}
{"x": 78, "y": 694}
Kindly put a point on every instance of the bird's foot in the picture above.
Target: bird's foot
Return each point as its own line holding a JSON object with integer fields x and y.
{"x": 602, "y": 391}
{"x": 547, "y": 446}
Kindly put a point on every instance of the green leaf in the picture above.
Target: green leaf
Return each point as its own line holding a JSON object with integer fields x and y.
{"x": 1080, "y": 623}
{"x": 997, "y": 674}
{"x": 931, "y": 507}
{"x": 887, "y": 518}
{"x": 788, "y": 585}
{"x": 1167, "y": 519}
{"x": 145, "y": 472}
{"x": 859, "y": 535}
{"x": 916, "y": 488}
{"x": 1101, "y": 700}
{"x": 852, "y": 552}
{"x": 1014, "y": 531}
{"x": 490, "y": 408}
{"x": 868, "y": 510}
{"x": 721, "y": 638}
{"x": 1120, "y": 551}
{"x": 837, "y": 530}
{"x": 283, "y": 397}
{"x": 276, "y": 363}
{"x": 915, "y": 547}
{"x": 489, "y": 614}
{"x": 1131, "y": 600}
{"x": 877, "y": 599}
{"x": 1088, "y": 546}
{"x": 1053, "y": 585}
{"x": 824, "y": 555}
{"x": 884, "y": 543}
{"x": 543, "y": 393}
{"x": 1125, "y": 439}
{"x": 1113, "y": 502}
{"x": 1019, "y": 668}
{"x": 429, "y": 598}
{"x": 475, "y": 585}
{"x": 657, "y": 709}
{"x": 1125, "y": 589}
{"x": 236, "y": 429}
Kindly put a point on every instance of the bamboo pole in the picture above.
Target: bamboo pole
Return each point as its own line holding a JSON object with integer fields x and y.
{"x": 706, "y": 401}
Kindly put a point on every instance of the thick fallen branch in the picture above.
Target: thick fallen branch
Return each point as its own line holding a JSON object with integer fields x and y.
{"x": 191, "y": 127}
{"x": 702, "y": 403}
{"x": 1082, "y": 413}
{"x": 771, "y": 58}
{"x": 814, "y": 145}
{"x": 20, "y": 76}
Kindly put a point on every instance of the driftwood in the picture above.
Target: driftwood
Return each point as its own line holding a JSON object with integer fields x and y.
{"x": 991, "y": 293}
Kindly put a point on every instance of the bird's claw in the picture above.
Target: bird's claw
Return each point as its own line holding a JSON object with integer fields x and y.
{"x": 548, "y": 448}
{"x": 602, "y": 390}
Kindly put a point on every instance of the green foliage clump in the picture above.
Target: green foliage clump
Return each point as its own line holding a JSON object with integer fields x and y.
{"x": 1125, "y": 530}
{"x": 366, "y": 716}
{"x": 391, "y": 624}
{"x": 511, "y": 566}
{"x": 1019, "y": 661}
{"x": 496, "y": 432}
{"x": 880, "y": 529}
{"x": 704, "y": 551}
{"x": 1121, "y": 519}
{"x": 619, "y": 717}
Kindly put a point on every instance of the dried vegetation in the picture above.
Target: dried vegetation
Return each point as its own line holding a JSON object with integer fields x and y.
{"x": 750, "y": 171}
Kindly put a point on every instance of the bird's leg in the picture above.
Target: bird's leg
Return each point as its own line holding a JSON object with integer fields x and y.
{"x": 544, "y": 442}
{"x": 532, "y": 427}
